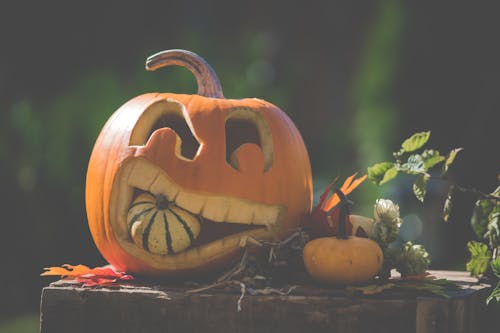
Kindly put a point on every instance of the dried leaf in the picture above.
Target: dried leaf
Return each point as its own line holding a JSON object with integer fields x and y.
{"x": 372, "y": 289}
{"x": 89, "y": 277}
{"x": 423, "y": 282}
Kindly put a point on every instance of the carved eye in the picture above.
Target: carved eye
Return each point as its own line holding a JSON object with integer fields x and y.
{"x": 167, "y": 114}
{"x": 247, "y": 126}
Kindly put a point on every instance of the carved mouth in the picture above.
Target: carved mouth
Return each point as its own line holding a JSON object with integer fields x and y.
{"x": 222, "y": 220}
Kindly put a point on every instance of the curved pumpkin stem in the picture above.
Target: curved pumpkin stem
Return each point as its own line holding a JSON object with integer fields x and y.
{"x": 207, "y": 80}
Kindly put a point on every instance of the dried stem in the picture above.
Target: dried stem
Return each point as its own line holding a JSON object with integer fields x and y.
{"x": 243, "y": 290}
{"x": 236, "y": 269}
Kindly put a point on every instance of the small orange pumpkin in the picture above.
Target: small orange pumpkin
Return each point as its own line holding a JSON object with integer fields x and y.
{"x": 342, "y": 259}
{"x": 176, "y": 181}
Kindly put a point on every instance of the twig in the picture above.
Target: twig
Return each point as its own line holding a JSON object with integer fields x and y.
{"x": 269, "y": 290}
{"x": 467, "y": 190}
{"x": 243, "y": 289}
{"x": 214, "y": 285}
{"x": 477, "y": 192}
{"x": 235, "y": 270}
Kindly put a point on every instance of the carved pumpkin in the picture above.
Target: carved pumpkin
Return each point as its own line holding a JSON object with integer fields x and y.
{"x": 175, "y": 182}
{"x": 343, "y": 259}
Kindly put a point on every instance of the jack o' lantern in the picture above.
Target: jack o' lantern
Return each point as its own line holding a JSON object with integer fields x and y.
{"x": 175, "y": 182}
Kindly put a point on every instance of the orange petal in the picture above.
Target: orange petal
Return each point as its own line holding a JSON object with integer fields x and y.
{"x": 355, "y": 184}
{"x": 348, "y": 182}
{"x": 348, "y": 186}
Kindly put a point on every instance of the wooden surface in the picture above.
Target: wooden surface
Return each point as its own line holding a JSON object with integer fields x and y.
{"x": 69, "y": 308}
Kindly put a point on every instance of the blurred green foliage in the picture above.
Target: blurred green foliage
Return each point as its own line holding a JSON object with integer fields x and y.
{"x": 376, "y": 118}
{"x": 21, "y": 324}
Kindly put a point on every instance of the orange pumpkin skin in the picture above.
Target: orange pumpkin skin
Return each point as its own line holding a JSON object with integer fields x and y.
{"x": 333, "y": 260}
{"x": 284, "y": 182}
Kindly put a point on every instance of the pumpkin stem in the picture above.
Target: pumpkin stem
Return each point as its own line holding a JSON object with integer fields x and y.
{"x": 207, "y": 80}
{"x": 161, "y": 202}
{"x": 343, "y": 213}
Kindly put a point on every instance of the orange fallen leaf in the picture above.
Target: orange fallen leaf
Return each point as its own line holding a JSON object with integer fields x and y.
{"x": 89, "y": 277}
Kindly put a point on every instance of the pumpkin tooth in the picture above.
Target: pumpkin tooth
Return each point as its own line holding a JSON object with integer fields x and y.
{"x": 143, "y": 176}
{"x": 240, "y": 212}
{"x": 266, "y": 215}
{"x": 190, "y": 201}
{"x": 216, "y": 209}
{"x": 162, "y": 185}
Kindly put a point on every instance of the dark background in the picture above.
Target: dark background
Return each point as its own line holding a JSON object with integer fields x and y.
{"x": 356, "y": 78}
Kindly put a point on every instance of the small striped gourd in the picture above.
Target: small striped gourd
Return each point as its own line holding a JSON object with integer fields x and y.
{"x": 159, "y": 227}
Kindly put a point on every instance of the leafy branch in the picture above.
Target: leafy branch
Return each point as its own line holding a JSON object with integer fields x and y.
{"x": 485, "y": 221}
{"x": 419, "y": 164}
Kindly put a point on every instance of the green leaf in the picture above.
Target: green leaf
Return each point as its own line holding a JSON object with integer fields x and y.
{"x": 414, "y": 165}
{"x": 493, "y": 229}
{"x": 450, "y": 159}
{"x": 480, "y": 258}
{"x": 430, "y": 285}
{"x": 495, "y": 266}
{"x": 416, "y": 141}
{"x": 389, "y": 175}
{"x": 372, "y": 289}
{"x": 495, "y": 295}
{"x": 420, "y": 187}
{"x": 448, "y": 204}
{"x": 376, "y": 172}
{"x": 431, "y": 157}
{"x": 481, "y": 218}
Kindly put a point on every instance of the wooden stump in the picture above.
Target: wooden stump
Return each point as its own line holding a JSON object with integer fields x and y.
{"x": 68, "y": 308}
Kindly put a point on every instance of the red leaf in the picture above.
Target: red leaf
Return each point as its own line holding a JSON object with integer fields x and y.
{"x": 322, "y": 198}
{"x": 89, "y": 277}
